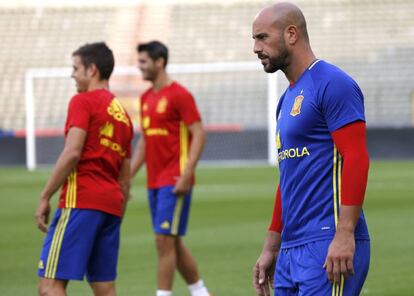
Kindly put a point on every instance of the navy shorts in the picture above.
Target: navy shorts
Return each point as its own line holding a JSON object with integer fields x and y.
{"x": 299, "y": 271}
{"x": 81, "y": 242}
{"x": 169, "y": 212}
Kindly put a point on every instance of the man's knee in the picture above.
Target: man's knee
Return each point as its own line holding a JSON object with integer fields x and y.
{"x": 103, "y": 288}
{"x": 51, "y": 287}
{"x": 165, "y": 244}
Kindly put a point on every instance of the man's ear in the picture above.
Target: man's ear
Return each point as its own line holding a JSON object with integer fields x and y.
{"x": 291, "y": 34}
{"x": 92, "y": 71}
{"x": 159, "y": 63}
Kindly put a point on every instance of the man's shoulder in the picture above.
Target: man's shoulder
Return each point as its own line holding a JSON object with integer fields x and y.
{"x": 179, "y": 89}
{"x": 93, "y": 95}
{"x": 323, "y": 73}
{"x": 146, "y": 93}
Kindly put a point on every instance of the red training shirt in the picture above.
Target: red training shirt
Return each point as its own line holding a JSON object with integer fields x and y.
{"x": 165, "y": 116}
{"x": 93, "y": 184}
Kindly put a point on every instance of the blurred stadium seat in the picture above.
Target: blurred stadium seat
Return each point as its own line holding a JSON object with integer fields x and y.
{"x": 371, "y": 40}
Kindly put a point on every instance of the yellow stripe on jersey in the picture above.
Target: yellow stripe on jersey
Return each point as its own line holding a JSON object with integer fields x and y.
{"x": 339, "y": 178}
{"x": 177, "y": 215}
{"x": 54, "y": 252}
{"x": 183, "y": 146}
{"x": 335, "y": 191}
{"x": 75, "y": 189}
{"x": 71, "y": 190}
{"x": 337, "y": 289}
{"x": 68, "y": 189}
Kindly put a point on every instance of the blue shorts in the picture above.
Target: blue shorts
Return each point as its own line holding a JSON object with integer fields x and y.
{"x": 81, "y": 242}
{"x": 299, "y": 271}
{"x": 169, "y": 212}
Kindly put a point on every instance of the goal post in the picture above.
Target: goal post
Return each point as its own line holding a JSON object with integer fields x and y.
{"x": 36, "y": 74}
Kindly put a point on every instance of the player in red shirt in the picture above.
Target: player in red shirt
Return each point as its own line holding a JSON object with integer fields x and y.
{"x": 171, "y": 143}
{"x": 94, "y": 173}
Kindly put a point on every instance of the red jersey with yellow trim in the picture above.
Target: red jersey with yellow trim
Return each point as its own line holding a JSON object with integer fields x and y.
{"x": 165, "y": 116}
{"x": 93, "y": 184}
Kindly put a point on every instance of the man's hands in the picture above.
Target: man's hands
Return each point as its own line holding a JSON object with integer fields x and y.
{"x": 264, "y": 268}
{"x": 42, "y": 214}
{"x": 339, "y": 260}
{"x": 263, "y": 272}
{"x": 183, "y": 185}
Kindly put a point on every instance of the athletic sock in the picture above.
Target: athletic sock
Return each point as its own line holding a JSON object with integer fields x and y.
{"x": 198, "y": 289}
{"x": 163, "y": 293}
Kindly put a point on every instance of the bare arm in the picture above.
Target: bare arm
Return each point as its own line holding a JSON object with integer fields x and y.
{"x": 65, "y": 164}
{"x": 124, "y": 180}
{"x": 264, "y": 268}
{"x": 139, "y": 156}
{"x": 198, "y": 135}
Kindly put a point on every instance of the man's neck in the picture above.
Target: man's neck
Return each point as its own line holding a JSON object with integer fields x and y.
{"x": 299, "y": 63}
{"x": 162, "y": 80}
{"x": 100, "y": 84}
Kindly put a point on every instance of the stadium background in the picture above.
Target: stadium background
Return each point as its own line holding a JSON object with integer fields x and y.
{"x": 372, "y": 40}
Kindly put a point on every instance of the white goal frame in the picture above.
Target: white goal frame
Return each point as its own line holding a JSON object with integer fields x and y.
{"x": 37, "y": 73}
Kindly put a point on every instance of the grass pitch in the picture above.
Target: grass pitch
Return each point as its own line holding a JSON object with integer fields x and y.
{"x": 230, "y": 214}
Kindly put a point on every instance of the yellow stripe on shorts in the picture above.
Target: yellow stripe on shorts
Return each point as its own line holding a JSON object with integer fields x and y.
{"x": 177, "y": 215}
{"x": 338, "y": 289}
{"x": 54, "y": 252}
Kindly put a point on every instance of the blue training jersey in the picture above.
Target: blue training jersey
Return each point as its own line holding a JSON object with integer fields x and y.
{"x": 323, "y": 100}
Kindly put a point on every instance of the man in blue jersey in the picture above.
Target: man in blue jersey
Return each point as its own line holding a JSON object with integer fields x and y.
{"x": 318, "y": 242}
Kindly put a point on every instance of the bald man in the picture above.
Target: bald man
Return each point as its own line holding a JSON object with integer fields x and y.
{"x": 318, "y": 241}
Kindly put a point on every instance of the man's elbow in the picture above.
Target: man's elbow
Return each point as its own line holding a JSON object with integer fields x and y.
{"x": 201, "y": 134}
{"x": 73, "y": 155}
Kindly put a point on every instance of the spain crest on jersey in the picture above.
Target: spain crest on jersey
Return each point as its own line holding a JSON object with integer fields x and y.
{"x": 297, "y": 105}
{"x": 162, "y": 105}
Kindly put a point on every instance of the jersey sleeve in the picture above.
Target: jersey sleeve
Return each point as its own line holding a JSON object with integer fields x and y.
{"x": 78, "y": 113}
{"x": 351, "y": 143}
{"x": 342, "y": 102}
{"x": 187, "y": 108}
{"x": 276, "y": 223}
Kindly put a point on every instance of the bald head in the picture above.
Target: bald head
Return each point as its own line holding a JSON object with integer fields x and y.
{"x": 282, "y": 15}
{"x": 281, "y": 40}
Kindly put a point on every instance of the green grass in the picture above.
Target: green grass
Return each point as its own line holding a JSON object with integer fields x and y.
{"x": 230, "y": 214}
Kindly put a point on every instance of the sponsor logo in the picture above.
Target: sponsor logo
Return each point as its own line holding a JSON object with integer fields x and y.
{"x": 107, "y": 130}
{"x": 278, "y": 142}
{"x": 146, "y": 121}
{"x": 293, "y": 153}
{"x": 165, "y": 225}
{"x": 113, "y": 146}
{"x": 156, "y": 132}
{"x": 41, "y": 265}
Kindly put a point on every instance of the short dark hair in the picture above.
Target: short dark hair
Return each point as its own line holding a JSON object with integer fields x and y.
{"x": 99, "y": 54}
{"x": 155, "y": 50}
